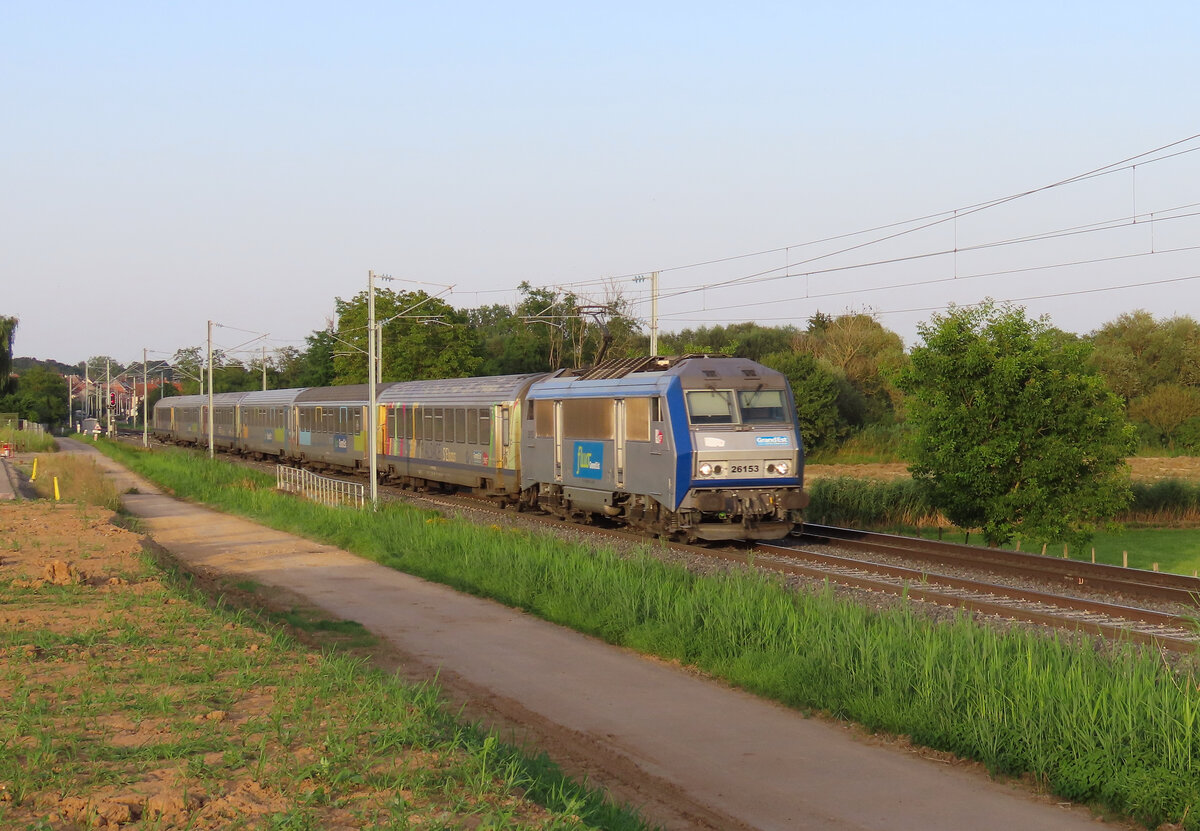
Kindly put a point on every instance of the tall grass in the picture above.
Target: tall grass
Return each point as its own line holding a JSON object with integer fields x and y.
{"x": 867, "y": 503}
{"x": 874, "y": 443}
{"x": 1117, "y": 729}
{"x": 27, "y": 441}
{"x": 1165, "y": 501}
{"x": 79, "y": 480}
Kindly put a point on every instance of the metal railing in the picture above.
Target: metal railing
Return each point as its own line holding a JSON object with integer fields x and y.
{"x": 322, "y": 489}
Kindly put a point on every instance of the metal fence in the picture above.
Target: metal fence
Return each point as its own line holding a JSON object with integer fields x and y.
{"x": 322, "y": 489}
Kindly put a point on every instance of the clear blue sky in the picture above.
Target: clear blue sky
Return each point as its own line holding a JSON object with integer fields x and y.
{"x": 165, "y": 164}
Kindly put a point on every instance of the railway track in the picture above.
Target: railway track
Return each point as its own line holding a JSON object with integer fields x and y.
{"x": 1173, "y": 630}
{"x": 1176, "y": 631}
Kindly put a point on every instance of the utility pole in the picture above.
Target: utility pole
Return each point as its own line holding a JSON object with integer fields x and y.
{"x": 264, "y": 366}
{"x": 372, "y": 416}
{"x": 107, "y": 397}
{"x": 212, "y": 446}
{"x": 653, "y": 313}
{"x": 653, "y": 310}
{"x": 145, "y": 402}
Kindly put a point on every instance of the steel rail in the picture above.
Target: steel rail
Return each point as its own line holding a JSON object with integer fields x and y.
{"x": 1113, "y": 621}
{"x": 1154, "y": 585}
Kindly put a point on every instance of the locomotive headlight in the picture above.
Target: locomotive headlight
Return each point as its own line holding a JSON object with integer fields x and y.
{"x": 705, "y": 469}
{"x": 782, "y": 468}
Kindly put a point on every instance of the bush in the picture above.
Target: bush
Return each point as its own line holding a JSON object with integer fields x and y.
{"x": 862, "y": 503}
{"x": 1167, "y": 499}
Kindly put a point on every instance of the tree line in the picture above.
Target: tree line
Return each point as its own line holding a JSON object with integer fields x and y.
{"x": 844, "y": 369}
{"x": 1010, "y": 424}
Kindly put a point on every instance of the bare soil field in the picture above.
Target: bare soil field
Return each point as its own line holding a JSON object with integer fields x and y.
{"x": 129, "y": 704}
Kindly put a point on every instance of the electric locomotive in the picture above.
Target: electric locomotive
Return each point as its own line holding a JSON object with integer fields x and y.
{"x": 696, "y": 447}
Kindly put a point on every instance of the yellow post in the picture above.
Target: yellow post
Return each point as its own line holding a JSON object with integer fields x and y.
{"x": 55, "y": 488}
{"x": 34, "y": 476}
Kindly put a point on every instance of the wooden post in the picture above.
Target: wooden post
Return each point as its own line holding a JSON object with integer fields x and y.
{"x": 1093, "y": 554}
{"x": 1065, "y": 557}
{"x": 1018, "y": 548}
{"x": 1043, "y": 549}
{"x": 1154, "y": 566}
{"x": 1125, "y": 559}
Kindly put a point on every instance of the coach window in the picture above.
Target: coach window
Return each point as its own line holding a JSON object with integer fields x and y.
{"x": 439, "y": 424}
{"x": 472, "y": 426}
{"x": 485, "y": 428}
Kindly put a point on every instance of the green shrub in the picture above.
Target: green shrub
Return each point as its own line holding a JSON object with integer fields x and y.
{"x": 864, "y": 503}
{"x": 1165, "y": 499}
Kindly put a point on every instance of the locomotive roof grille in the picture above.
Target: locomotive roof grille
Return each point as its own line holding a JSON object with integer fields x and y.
{"x": 620, "y": 367}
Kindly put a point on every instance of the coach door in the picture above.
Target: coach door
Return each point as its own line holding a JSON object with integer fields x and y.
{"x": 558, "y": 441}
{"x": 619, "y": 441}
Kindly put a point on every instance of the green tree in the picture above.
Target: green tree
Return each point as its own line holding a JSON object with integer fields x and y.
{"x": 815, "y": 390}
{"x": 741, "y": 340}
{"x": 422, "y": 337}
{"x": 316, "y": 368}
{"x": 1012, "y": 434}
{"x": 8, "y": 333}
{"x": 1136, "y": 353}
{"x": 863, "y": 352}
{"x": 41, "y": 396}
{"x": 1167, "y": 408}
{"x": 190, "y": 364}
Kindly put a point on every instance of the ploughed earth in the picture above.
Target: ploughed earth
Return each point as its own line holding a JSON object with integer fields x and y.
{"x": 100, "y": 663}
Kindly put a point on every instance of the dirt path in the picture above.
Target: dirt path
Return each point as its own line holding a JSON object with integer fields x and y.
{"x": 694, "y": 753}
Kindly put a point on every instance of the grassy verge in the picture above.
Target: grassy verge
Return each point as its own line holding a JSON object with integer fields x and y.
{"x": 131, "y": 698}
{"x": 1118, "y": 729}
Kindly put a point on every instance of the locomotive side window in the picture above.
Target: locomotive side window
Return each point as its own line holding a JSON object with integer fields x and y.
{"x": 762, "y": 406}
{"x": 543, "y": 410}
{"x": 710, "y": 407}
{"x": 637, "y": 419}
{"x": 585, "y": 418}
{"x": 656, "y": 409}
